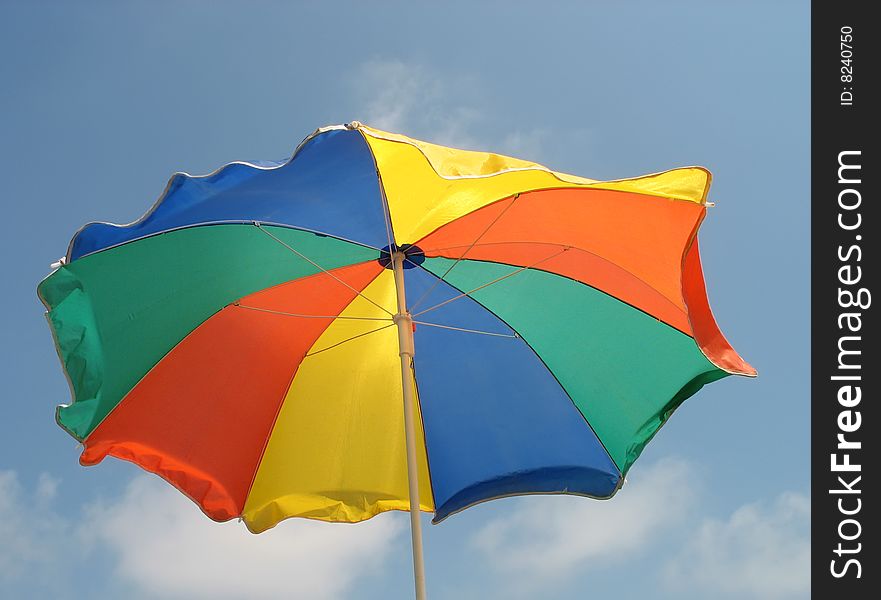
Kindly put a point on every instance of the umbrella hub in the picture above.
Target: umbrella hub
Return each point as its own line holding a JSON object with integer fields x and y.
{"x": 405, "y": 316}
{"x": 405, "y": 333}
{"x": 413, "y": 255}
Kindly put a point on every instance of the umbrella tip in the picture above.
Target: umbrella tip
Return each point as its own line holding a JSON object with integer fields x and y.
{"x": 353, "y": 125}
{"x": 58, "y": 263}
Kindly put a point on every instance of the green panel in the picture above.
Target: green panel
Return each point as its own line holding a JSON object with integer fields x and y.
{"x": 115, "y": 313}
{"x": 624, "y": 370}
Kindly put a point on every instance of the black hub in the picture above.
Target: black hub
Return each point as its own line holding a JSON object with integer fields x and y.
{"x": 414, "y": 254}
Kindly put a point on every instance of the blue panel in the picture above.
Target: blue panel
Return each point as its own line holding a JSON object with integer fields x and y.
{"x": 496, "y": 421}
{"x": 330, "y": 187}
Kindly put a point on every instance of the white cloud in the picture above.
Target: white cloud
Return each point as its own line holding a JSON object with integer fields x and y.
{"x": 409, "y": 98}
{"x": 526, "y": 143}
{"x": 548, "y": 539}
{"x": 758, "y": 552}
{"x": 47, "y": 487}
{"x": 33, "y": 536}
{"x": 455, "y": 109}
{"x": 159, "y": 545}
{"x": 168, "y": 548}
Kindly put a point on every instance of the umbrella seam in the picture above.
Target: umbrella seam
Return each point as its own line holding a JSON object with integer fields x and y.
{"x": 424, "y": 437}
{"x": 306, "y": 258}
{"x": 216, "y": 171}
{"x": 386, "y": 210}
{"x": 494, "y": 281}
{"x": 545, "y": 365}
{"x": 170, "y": 350}
{"x": 349, "y": 339}
{"x": 220, "y": 223}
{"x": 281, "y": 404}
{"x": 305, "y": 316}
{"x": 467, "y": 250}
{"x": 533, "y": 191}
{"x": 465, "y": 330}
{"x": 648, "y": 314}
{"x": 613, "y": 263}
{"x": 594, "y": 184}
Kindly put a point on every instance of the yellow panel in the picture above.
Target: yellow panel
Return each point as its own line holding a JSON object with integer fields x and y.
{"x": 687, "y": 183}
{"x": 455, "y": 163}
{"x": 337, "y": 452}
{"x": 428, "y": 186}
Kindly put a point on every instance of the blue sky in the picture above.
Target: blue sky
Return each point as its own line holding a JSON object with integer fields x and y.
{"x": 101, "y": 102}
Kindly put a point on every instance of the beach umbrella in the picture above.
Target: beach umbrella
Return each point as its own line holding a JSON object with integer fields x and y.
{"x": 380, "y": 323}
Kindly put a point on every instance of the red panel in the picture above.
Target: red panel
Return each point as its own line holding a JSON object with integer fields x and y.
{"x": 201, "y": 417}
{"x": 706, "y": 331}
{"x": 627, "y": 245}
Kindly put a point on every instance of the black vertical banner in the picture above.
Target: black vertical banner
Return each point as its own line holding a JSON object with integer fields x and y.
{"x": 846, "y": 224}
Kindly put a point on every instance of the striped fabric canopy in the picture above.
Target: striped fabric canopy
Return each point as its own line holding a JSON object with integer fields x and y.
{"x": 238, "y": 339}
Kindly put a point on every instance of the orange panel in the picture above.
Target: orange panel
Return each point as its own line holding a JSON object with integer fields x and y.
{"x": 627, "y": 245}
{"x": 201, "y": 417}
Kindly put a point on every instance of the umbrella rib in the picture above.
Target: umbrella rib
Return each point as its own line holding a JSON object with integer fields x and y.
{"x": 494, "y": 281}
{"x": 309, "y": 260}
{"x": 594, "y": 254}
{"x": 354, "y": 337}
{"x": 304, "y": 316}
{"x": 386, "y": 214}
{"x": 462, "y": 256}
{"x": 503, "y": 335}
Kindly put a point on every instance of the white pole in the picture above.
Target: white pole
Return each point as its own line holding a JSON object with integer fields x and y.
{"x": 405, "y": 344}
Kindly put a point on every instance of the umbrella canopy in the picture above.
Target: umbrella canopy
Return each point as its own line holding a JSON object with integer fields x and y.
{"x": 243, "y": 339}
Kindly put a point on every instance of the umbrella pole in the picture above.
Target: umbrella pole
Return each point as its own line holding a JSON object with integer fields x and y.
{"x": 405, "y": 343}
